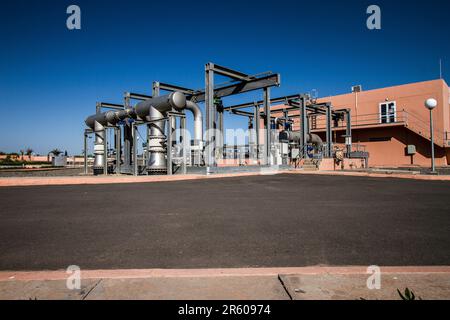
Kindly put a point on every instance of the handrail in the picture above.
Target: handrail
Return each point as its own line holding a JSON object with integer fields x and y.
{"x": 409, "y": 119}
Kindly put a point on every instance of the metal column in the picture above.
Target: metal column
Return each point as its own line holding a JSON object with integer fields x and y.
{"x": 183, "y": 143}
{"x": 267, "y": 141}
{"x": 210, "y": 116}
{"x": 329, "y": 135}
{"x": 348, "y": 133}
{"x": 256, "y": 126}
{"x": 135, "y": 151}
{"x": 105, "y": 151}
{"x": 156, "y": 91}
{"x": 220, "y": 138}
{"x": 303, "y": 126}
{"x": 169, "y": 145}
{"x": 118, "y": 135}
{"x": 85, "y": 153}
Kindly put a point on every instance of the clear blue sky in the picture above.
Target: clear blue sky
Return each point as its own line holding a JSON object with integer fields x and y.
{"x": 51, "y": 78}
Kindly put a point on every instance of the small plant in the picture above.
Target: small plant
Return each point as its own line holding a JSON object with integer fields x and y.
{"x": 408, "y": 295}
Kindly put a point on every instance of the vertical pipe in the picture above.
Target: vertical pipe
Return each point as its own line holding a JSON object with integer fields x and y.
{"x": 99, "y": 151}
{"x": 169, "y": 144}
{"x": 349, "y": 131}
{"x": 155, "y": 93}
{"x": 183, "y": 142}
{"x": 118, "y": 148}
{"x": 267, "y": 125}
{"x": 127, "y": 138}
{"x": 85, "y": 153}
{"x": 105, "y": 152}
{"x": 256, "y": 126}
{"x": 251, "y": 139}
{"x": 134, "y": 148}
{"x": 304, "y": 128}
{"x": 210, "y": 114}
{"x": 220, "y": 138}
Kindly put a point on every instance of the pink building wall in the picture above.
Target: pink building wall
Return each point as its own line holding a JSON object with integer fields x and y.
{"x": 386, "y": 143}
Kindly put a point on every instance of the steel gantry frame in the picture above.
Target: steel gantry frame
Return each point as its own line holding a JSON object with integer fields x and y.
{"x": 241, "y": 83}
{"x": 306, "y": 107}
{"x": 214, "y": 110}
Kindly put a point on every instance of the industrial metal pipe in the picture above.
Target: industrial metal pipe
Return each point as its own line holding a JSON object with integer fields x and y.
{"x": 153, "y": 111}
{"x": 109, "y": 117}
{"x": 295, "y": 136}
{"x": 175, "y": 100}
{"x": 99, "y": 149}
{"x": 198, "y": 120}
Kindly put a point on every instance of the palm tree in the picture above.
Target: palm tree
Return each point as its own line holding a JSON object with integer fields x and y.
{"x": 21, "y": 154}
{"x": 55, "y": 152}
{"x": 29, "y": 152}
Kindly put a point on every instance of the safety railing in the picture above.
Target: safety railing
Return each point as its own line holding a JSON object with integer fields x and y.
{"x": 403, "y": 117}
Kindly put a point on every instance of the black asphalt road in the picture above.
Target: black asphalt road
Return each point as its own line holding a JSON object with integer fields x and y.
{"x": 261, "y": 221}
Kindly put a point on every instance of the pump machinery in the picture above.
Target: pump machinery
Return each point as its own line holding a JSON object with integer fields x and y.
{"x": 281, "y": 132}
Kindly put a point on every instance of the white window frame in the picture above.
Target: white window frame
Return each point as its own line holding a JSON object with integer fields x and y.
{"x": 388, "y": 118}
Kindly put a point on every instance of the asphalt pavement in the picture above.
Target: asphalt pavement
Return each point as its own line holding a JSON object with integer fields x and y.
{"x": 259, "y": 221}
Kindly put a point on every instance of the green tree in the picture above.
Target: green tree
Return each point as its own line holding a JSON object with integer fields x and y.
{"x": 29, "y": 153}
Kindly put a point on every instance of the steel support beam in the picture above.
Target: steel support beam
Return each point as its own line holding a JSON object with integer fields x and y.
{"x": 348, "y": 133}
{"x": 267, "y": 121}
{"x": 303, "y": 125}
{"x": 173, "y": 88}
{"x": 210, "y": 117}
{"x": 135, "y": 149}
{"x": 261, "y": 102}
{"x": 105, "y": 151}
{"x": 169, "y": 145}
{"x": 85, "y": 148}
{"x": 184, "y": 145}
{"x": 118, "y": 137}
{"x": 137, "y": 96}
{"x": 256, "y": 126}
{"x": 329, "y": 128}
{"x": 220, "y": 138}
{"x": 230, "y": 73}
{"x": 113, "y": 106}
{"x": 242, "y": 87}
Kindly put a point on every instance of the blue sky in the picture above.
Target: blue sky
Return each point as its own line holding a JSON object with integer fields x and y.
{"x": 51, "y": 78}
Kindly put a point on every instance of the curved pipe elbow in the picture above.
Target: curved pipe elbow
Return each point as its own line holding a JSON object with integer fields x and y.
{"x": 198, "y": 119}
{"x": 315, "y": 139}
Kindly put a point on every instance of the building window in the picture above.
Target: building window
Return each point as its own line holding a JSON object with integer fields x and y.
{"x": 388, "y": 112}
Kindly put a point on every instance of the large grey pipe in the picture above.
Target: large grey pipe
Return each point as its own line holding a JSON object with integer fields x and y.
{"x": 294, "y": 136}
{"x": 153, "y": 110}
{"x": 99, "y": 148}
{"x": 198, "y": 120}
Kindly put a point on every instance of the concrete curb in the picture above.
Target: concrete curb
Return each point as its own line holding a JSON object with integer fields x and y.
{"x": 91, "y": 180}
{"x": 309, "y": 283}
{"x": 241, "y": 272}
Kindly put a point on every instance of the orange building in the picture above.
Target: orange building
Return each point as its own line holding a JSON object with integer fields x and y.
{"x": 392, "y": 124}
